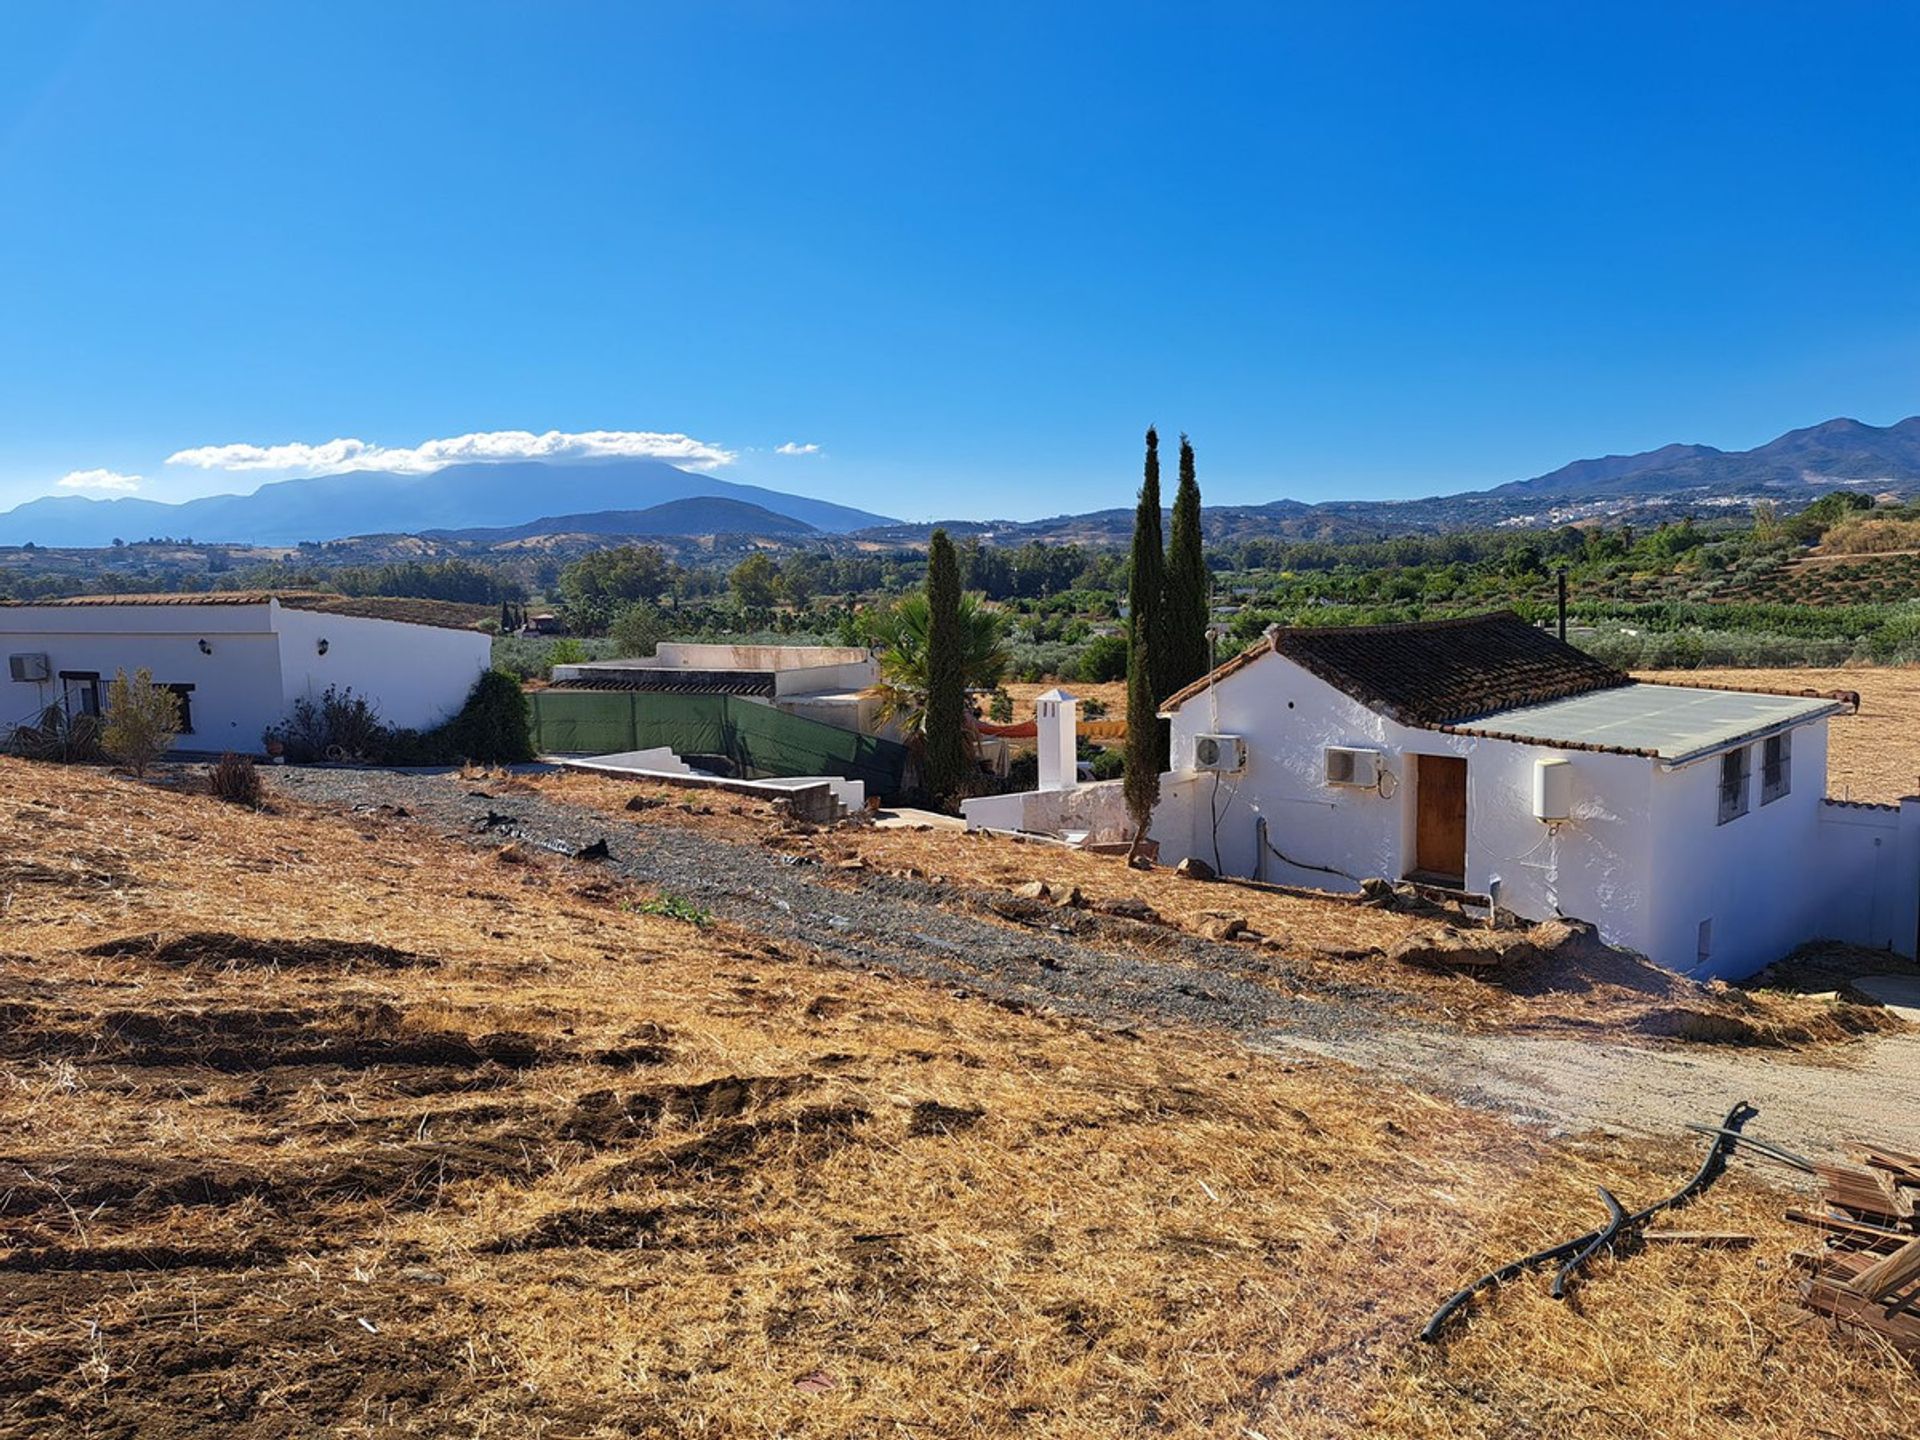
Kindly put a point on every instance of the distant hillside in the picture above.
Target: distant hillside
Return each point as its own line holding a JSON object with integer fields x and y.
{"x": 699, "y": 515}
{"x": 1816, "y": 459}
{"x": 372, "y": 502}
{"x": 1655, "y": 485}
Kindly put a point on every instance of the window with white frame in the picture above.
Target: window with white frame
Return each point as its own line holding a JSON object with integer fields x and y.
{"x": 1733, "y": 784}
{"x": 1776, "y": 767}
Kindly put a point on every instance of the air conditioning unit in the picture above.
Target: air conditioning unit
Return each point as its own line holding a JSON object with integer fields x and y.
{"x": 1219, "y": 754}
{"x": 29, "y": 667}
{"x": 1359, "y": 768}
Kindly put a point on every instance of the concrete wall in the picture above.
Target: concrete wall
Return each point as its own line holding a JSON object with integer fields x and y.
{"x": 1867, "y": 874}
{"x": 237, "y": 688}
{"x": 1100, "y": 810}
{"x": 417, "y": 675}
{"x": 825, "y": 679}
{"x": 679, "y": 655}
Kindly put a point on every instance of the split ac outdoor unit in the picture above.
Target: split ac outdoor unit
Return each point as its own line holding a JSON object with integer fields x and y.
{"x": 29, "y": 667}
{"x": 1360, "y": 768}
{"x": 1220, "y": 754}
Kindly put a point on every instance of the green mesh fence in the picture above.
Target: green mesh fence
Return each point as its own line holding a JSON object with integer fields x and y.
{"x": 759, "y": 739}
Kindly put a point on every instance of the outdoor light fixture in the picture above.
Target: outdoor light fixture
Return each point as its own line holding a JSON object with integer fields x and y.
{"x": 205, "y": 648}
{"x": 321, "y": 647}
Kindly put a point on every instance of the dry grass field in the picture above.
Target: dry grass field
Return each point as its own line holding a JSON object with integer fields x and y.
{"x": 1874, "y": 755}
{"x": 319, "y": 1123}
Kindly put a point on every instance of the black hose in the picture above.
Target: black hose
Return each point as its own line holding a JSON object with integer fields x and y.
{"x": 1710, "y": 1168}
{"x": 1616, "y": 1217}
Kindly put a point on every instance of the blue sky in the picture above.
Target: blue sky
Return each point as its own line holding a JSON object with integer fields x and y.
{"x": 968, "y": 252}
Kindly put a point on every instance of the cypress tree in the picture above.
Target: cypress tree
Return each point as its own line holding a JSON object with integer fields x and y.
{"x": 1146, "y": 590}
{"x": 947, "y": 760}
{"x": 1186, "y": 649}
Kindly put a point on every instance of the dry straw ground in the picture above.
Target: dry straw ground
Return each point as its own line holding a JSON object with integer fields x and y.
{"x": 321, "y": 1124}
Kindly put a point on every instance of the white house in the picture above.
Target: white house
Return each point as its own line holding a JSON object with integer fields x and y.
{"x": 238, "y": 660}
{"x": 1485, "y": 756}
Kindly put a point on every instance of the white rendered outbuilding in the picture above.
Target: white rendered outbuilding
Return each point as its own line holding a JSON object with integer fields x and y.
{"x": 1486, "y": 756}
{"x": 238, "y": 660}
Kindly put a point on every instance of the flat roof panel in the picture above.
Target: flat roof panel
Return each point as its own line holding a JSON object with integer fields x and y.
{"x": 1674, "y": 722}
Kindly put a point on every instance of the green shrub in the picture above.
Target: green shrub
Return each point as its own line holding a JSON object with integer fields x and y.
{"x": 676, "y": 907}
{"x": 1104, "y": 658}
{"x": 142, "y": 719}
{"x": 492, "y": 727}
{"x": 338, "y": 726}
{"x": 1110, "y": 765}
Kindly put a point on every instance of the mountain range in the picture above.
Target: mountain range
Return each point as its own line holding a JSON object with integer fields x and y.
{"x": 376, "y": 502}
{"x": 508, "y": 501}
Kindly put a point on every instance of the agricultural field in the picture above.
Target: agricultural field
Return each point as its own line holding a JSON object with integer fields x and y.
{"x": 1835, "y": 580}
{"x": 342, "y": 1118}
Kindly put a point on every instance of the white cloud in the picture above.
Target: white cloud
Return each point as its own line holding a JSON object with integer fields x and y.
{"x": 430, "y": 455}
{"x": 110, "y": 480}
{"x": 794, "y": 447}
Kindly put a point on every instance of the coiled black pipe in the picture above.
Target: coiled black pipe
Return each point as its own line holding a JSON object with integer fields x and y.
{"x": 1725, "y": 1136}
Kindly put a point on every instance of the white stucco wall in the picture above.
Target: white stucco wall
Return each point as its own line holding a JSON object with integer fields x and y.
{"x": 1597, "y": 865}
{"x": 237, "y": 688}
{"x": 1757, "y": 879}
{"x": 258, "y": 660}
{"x": 417, "y": 675}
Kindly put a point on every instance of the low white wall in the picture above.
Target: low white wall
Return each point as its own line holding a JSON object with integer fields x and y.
{"x": 417, "y": 675}
{"x": 687, "y": 655}
{"x": 1099, "y": 810}
{"x": 1866, "y": 880}
{"x": 825, "y": 679}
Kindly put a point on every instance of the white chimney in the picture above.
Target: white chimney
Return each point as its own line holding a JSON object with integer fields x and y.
{"x": 1057, "y": 734}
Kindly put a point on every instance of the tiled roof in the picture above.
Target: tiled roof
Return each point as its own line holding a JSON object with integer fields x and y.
{"x": 445, "y": 614}
{"x": 1433, "y": 672}
{"x": 677, "y": 682}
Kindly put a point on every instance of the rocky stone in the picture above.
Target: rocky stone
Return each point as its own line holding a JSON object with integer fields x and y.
{"x": 1450, "y": 949}
{"x": 1194, "y": 868}
{"x": 1218, "y": 925}
{"x": 1033, "y": 890}
{"x": 1128, "y": 908}
{"x": 1070, "y": 898}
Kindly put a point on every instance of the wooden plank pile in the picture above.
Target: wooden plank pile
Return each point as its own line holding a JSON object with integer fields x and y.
{"x": 1867, "y": 1273}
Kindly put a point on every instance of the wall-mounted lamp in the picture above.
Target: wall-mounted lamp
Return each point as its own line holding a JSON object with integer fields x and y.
{"x": 321, "y": 647}
{"x": 205, "y": 648}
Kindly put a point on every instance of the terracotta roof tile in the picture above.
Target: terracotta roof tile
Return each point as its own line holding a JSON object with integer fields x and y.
{"x": 1433, "y": 672}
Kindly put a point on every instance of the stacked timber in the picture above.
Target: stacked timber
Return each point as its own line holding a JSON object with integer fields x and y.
{"x": 1866, "y": 1275}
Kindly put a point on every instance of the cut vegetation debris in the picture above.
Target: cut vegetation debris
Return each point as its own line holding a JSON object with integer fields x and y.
{"x": 330, "y": 1123}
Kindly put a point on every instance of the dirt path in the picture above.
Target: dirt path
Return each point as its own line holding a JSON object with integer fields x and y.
{"x": 913, "y": 928}
{"x": 1870, "y": 1088}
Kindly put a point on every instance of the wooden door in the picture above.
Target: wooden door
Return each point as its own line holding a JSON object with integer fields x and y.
{"x": 1440, "y": 830}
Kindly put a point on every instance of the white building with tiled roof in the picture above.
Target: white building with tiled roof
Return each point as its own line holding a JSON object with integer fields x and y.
{"x": 1485, "y": 756}
{"x": 239, "y": 660}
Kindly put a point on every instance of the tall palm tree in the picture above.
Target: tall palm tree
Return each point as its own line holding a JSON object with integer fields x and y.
{"x": 899, "y": 632}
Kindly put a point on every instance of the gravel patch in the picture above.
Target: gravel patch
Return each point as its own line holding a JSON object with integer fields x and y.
{"x": 891, "y": 922}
